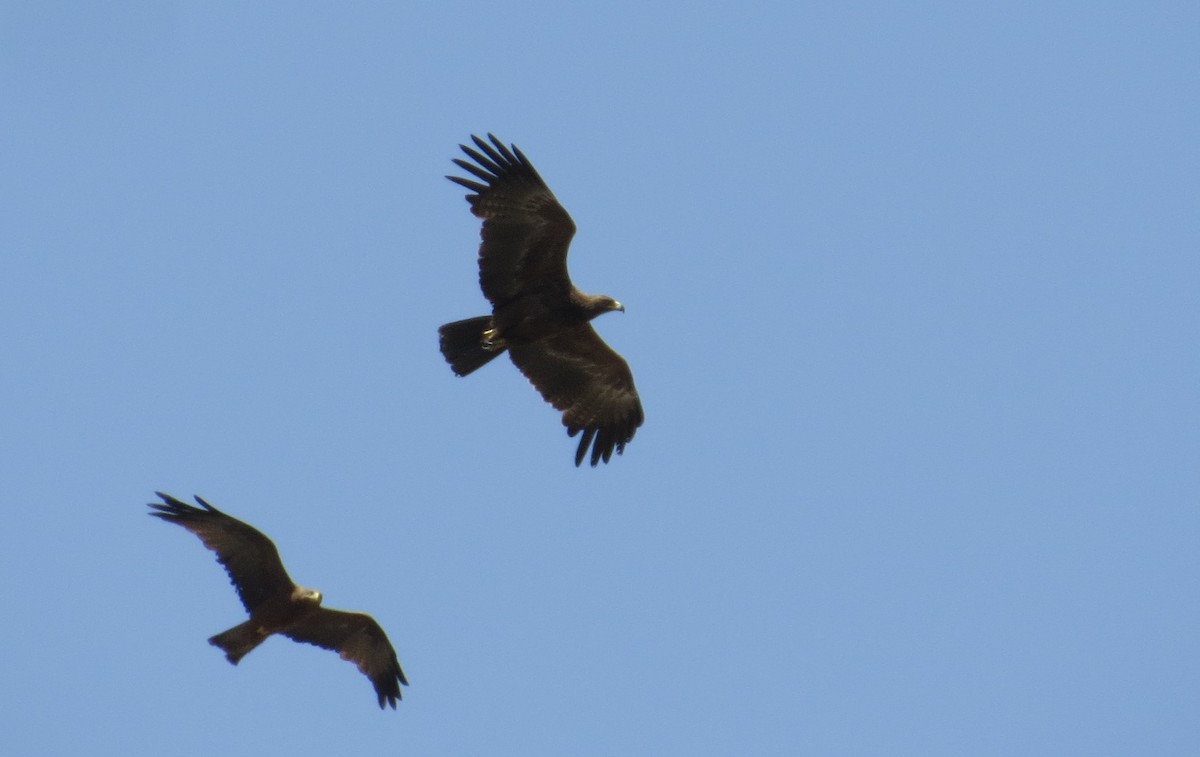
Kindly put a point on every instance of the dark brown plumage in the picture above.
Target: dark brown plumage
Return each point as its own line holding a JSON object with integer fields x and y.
{"x": 277, "y": 605}
{"x": 538, "y": 316}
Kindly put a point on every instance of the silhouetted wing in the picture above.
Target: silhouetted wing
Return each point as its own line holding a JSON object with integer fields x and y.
{"x": 359, "y": 639}
{"x": 591, "y": 384}
{"x": 525, "y": 232}
{"x": 249, "y": 557}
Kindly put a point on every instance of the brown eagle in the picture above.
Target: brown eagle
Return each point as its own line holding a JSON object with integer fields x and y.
{"x": 538, "y": 316}
{"x": 276, "y": 605}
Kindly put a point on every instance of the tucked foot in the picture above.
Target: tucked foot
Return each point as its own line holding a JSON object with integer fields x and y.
{"x": 492, "y": 341}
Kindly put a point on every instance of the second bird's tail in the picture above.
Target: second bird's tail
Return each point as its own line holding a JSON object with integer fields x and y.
{"x": 238, "y": 641}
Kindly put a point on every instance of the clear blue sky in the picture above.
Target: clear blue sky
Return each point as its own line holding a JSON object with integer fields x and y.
{"x": 912, "y": 305}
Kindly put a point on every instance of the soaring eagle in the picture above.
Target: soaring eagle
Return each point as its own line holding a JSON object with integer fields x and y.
{"x": 538, "y": 316}
{"x": 276, "y": 605}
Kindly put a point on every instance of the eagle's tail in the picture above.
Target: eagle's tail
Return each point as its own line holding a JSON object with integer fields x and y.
{"x": 462, "y": 345}
{"x": 238, "y": 641}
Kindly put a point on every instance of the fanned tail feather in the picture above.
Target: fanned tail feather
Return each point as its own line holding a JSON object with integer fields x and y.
{"x": 238, "y": 641}
{"x": 462, "y": 345}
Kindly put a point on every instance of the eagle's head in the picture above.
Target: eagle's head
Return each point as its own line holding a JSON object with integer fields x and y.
{"x": 301, "y": 594}
{"x": 598, "y": 304}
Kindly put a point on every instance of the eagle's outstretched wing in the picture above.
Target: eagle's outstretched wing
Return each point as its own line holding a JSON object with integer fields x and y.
{"x": 359, "y": 639}
{"x": 591, "y": 384}
{"x": 525, "y": 231}
{"x": 249, "y": 557}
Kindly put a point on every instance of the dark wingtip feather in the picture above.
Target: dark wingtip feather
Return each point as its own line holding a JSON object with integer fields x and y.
{"x": 170, "y": 506}
{"x": 486, "y": 170}
{"x": 495, "y": 162}
{"x": 509, "y": 158}
{"x": 388, "y": 689}
{"x": 207, "y": 506}
{"x": 492, "y": 162}
{"x": 475, "y": 187}
{"x": 584, "y": 442}
{"x": 602, "y": 441}
{"x": 491, "y": 151}
{"x": 524, "y": 160}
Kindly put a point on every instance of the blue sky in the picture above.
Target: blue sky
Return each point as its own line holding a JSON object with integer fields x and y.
{"x": 911, "y": 304}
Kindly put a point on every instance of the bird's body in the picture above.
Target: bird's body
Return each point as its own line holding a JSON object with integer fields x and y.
{"x": 276, "y": 605}
{"x": 538, "y": 316}
{"x": 276, "y": 615}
